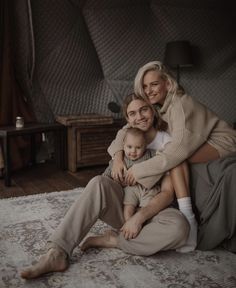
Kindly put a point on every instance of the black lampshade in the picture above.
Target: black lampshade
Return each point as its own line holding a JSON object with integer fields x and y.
{"x": 178, "y": 54}
{"x": 114, "y": 107}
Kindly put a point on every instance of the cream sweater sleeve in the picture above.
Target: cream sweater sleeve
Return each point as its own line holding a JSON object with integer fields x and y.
{"x": 149, "y": 172}
{"x": 118, "y": 143}
{"x": 184, "y": 143}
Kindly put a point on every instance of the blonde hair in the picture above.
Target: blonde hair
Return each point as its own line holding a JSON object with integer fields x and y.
{"x": 165, "y": 74}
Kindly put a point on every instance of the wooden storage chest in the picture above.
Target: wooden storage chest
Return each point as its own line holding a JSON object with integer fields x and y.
{"x": 87, "y": 144}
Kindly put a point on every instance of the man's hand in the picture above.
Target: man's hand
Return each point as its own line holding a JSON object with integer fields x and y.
{"x": 118, "y": 168}
{"x": 132, "y": 227}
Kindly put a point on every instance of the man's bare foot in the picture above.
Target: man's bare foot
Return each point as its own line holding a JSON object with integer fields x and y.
{"x": 55, "y": 260}
{"x": 107, "y": 240}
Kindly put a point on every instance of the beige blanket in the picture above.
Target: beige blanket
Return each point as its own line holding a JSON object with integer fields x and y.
{"x": 213, "y": 189}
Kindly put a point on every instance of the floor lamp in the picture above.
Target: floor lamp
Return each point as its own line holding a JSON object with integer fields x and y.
{"x": 178, "y": 54}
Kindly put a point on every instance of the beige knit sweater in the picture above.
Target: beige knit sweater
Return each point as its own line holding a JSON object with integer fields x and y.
{"x": 190, "y": 125}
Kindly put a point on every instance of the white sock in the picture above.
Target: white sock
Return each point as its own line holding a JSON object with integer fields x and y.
{"x": 185, "y": 206}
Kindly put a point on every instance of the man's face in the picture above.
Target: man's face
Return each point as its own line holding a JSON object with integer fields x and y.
{"x": 140, "y": 115}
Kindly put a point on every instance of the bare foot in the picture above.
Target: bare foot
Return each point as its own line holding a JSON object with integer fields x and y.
{"x": 107, "y": 240}
{"x": 55, "y": 260}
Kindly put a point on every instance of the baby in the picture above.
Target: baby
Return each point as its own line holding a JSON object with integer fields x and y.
{"x": 135, "y": 151}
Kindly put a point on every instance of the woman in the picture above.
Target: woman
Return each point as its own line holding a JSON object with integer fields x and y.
{"x": 153, "y": 227}
{"x": 197, "y": 133}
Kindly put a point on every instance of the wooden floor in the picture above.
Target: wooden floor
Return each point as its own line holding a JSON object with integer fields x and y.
{"x": 46, "y": 177}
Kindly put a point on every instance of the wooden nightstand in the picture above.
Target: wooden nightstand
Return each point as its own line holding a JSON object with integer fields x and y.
{"x": 31, "y": 130}
{"x": 87, "y": 144}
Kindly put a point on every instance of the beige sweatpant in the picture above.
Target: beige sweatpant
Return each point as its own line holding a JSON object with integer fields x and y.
{"x": 102, "y": 199}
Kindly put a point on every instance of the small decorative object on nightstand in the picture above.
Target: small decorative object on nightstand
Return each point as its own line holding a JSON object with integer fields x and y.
{"x": 19, "y": 122}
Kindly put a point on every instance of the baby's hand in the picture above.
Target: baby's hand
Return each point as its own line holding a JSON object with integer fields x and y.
{"x": 129, "y": 178}
{"x": 118, "y": 170}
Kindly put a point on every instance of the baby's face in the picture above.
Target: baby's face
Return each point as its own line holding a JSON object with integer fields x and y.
{"x": 134, "y": 146}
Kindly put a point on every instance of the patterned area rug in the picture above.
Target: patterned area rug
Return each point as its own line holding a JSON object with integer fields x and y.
{"x": 26, "y": 223}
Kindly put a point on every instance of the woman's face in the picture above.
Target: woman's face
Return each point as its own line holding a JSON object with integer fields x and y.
{"x": 140, "y": 115}
{"x": 155, "y": 87}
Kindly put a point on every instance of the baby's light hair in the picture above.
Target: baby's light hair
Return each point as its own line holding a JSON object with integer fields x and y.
{"x": 135, "y": 132}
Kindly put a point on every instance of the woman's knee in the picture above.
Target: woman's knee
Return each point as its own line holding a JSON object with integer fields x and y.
{"x": 204, "y": 154}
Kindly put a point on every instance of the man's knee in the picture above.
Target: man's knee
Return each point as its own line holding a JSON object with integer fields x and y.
{"x": 96, "y": 183}
{"x": 104, "y": 187}
{"x": 180, "y": 228}
{"x": 95, "y": 180}
{"x": 100, "y": 180}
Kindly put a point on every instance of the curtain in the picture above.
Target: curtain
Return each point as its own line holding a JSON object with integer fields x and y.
{"x": 12, "y": 100}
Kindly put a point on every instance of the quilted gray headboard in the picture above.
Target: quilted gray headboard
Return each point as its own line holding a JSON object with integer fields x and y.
{"x": 76, "y": 56}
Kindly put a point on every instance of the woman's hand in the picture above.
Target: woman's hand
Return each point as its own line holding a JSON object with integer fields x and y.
{"x": 118, "y": 168}
{"x": 129, "y": 178}
{"x": 132, "y": 227}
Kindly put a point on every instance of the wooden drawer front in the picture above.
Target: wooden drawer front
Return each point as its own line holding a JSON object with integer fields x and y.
{"x": 87, "y": 144}
{"x": 92, "y": 146}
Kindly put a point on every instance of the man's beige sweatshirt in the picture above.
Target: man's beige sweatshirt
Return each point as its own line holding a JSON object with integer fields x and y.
{"x": 190, "y": 124}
